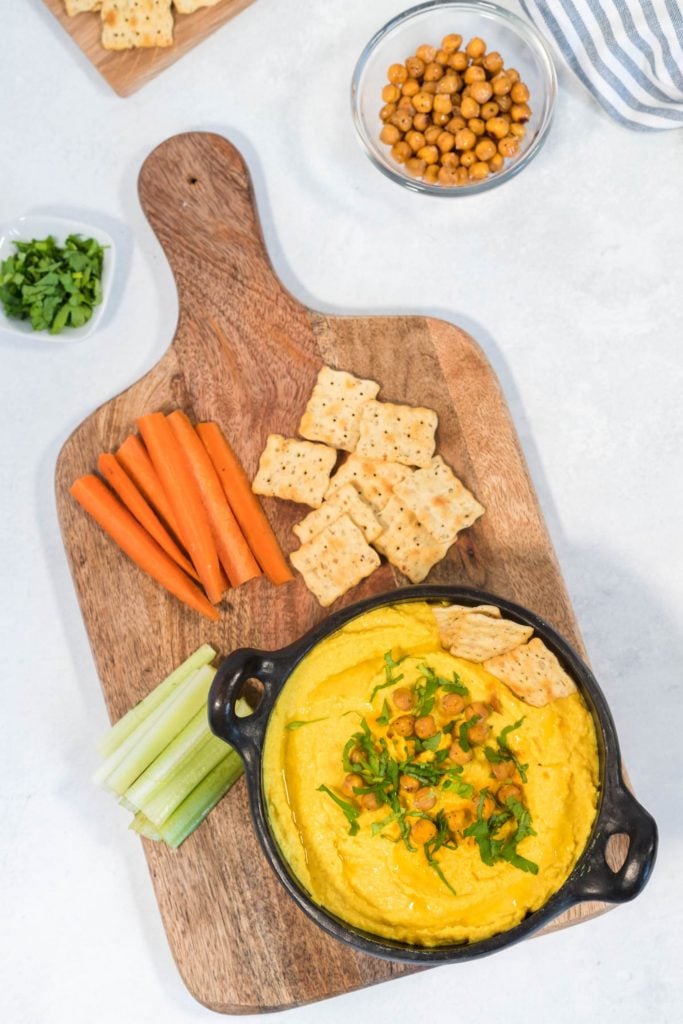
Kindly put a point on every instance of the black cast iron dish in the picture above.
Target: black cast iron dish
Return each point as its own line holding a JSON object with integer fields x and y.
{"x": 618, "y": 810}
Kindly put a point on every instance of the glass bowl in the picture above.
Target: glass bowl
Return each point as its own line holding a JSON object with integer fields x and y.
{"x": 518, "y": 42}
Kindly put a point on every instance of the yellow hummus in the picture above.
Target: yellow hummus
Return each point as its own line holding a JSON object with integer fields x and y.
{"x": 375, "y": 882}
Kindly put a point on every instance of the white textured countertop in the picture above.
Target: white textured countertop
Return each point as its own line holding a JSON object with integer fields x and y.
{"x": 570, "y": 277}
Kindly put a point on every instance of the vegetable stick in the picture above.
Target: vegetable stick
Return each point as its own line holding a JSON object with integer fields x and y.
{"x": 117, "y": 478}
{"x": 117, "y": 521}
{"x": 203, "y": 798}
{"x": 140, "y": 711}
{"x": 233, "y": 551}
{"x": 156, "y": 773}
{"x": 183, "y": 494}
{"x": 134, "y": 458}
{"x": 244, "y": 504}
{"x": 183, "y": 779}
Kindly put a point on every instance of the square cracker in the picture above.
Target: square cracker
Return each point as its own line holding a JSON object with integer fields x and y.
{"x": 333, "y": 411}
{"x": 374, "y": 481}
{"x": 294, "y": 470}
{"x": 344, "y": 500}
{"x": 335, "y": 560}
{"x": 78, "y": 6}
{"x": 407, "y": 544}
{"x": 190, "y": 6}
{"x": 532, "y": 672}
{"x": 127, "y": 24}
{"x": 439, "y": 500}
{"x": 397, "y": 433}
{"x": 478, "y": 636}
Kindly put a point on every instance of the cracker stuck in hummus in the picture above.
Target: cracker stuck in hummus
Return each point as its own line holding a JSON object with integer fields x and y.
{"x": 533, "y": 673}
{"x": 478, "y": 635}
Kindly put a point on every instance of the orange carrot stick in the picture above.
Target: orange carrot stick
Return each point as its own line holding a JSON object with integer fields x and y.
{"x": 138, "y": 465}
{"x": 182, "y": 492}
{"x": 233, "y": 551}
{"x": 126, "y": 531}
{"x": 117, "y": 478}
{"x": 244, "y": 504}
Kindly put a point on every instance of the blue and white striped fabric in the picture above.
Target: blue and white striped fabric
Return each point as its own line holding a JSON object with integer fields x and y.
{"x": 629, "y": 53}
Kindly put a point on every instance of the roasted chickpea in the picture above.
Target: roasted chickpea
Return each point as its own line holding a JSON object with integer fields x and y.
{"x": 451, "y": 43}
{"x": 448, "y": 85}
{"x": 513, "y": 75}
{"x": 401, "y": 152}
{"x": 405, "y": 725}
{"x": 431, "y": 135}
{"x": 387, "y": 110}
{"x": 477, "y": 709}
{"x": 481, "y": 91}
{"x": 391, "y": 93}
{"x": 476, "y": 47}
{"x": 479, "y": 171}
{"x": 449, "y": 160}
{"x": 468, "y": 158}
{"x": 519, "y": 92}
{"x": 423, "y": 102}
{"x": 497, "y": 127}
{"x": 455, "y": 752}
{"x": 390, "y": 134}
{"x": 485, "y": 149}
{"x": 458, "y": 820}
{"x": 479, "y": 733}
{"x": 422, "y": 831}
{"x": 433, "y": 72}
{"x": 474, "y": 74}
{"x": 430, "y": 155}
{"x": 504, "y": 102}
{"x": 429, "y": 87}
{"x": 443, "y": 105}
{"x": 421, "y": 122}
{"x": 441, "y": 57}
{"x": 356, "y": 755}
{"x": 489, "y": 806}
{"x": 458, "y": 61}
{"x": 415, "y": 67}
{"x": 426, "y": 53}
{"x": 455, "y": 124}
{"x": 404, "y": 698}
{"x": 406, "y": 103}
{"x": 424, "y": 799}
{"x": 496, "y": 163}
{"x": 440, "y": 119}
{"x": 469, "y": 108}
{"x": 493, "y": 62}
{"x": 370, "y": 802}
{"x": 350, "y": 783}
{"x": 411, "y": 87}
{"x": 489, "y": 110}
{"x": 445, "y": 142}
{"x": 520, "y": 112}
{"x": 448, "y": 175}
{"x": 465, "y": 139}
{"x": 506, "y": 769}
{"x": 507, "y": 791}
{"x": 452, "y": 703}
{"x": 508, "y": 146}
{"x": 407, "y": 784}
{"x": 461, "y": 175}
{"x": 518, "y": 130}
{"x": 501, "y": 85}
{"x": 402, "y": 119}
{"x": 397, "y": 74}
{"x": 476, "y": 125}
{"x": 425, "y": 726}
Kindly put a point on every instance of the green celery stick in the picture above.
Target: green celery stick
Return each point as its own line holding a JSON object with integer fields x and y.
{"x": 187, "y": 774}
{"x": 143, "y": 827}
{"x": 203, "y": 798}
{"x": 176, "y": 713}
{"x": 139, "y": 712}
{"x": 186, "y": 743}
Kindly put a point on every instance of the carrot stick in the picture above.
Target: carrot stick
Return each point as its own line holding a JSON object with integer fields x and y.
{"x": 120, "y": 482}
{"x": 182, "y": 492}
{"x": 126, "y": 531}
{"x": 244, "y": 504}
{"x": 233, "y": 550}
{"x": 138, "y": 465}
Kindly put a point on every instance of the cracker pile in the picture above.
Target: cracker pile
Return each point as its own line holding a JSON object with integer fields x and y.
{"x": 129, "y": 24}
{"x": 506, "y": 650}
{"x": 392, "y": 495}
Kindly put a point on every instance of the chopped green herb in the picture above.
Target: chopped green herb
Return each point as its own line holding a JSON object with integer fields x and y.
{"x": 430, "y": 744}
{"x": 383, "y": 719}
{"x": 456, "y": 685}
{"x": 442, "y": 838}
{"x": 291, "y": 726}
{"x": 50, "y": 285}
{"x": 463, "y": 734}
{"x": 350, "y": 812}
{"x": 504, "y": 753}
{"x": 492, "y": 848}
{"x": 390, "y": 678}
{"x": 454, "y": 782}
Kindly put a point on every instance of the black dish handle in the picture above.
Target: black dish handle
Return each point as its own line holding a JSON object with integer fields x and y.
{"x": 620, "y": 814}
{"x": 246, "y": 735}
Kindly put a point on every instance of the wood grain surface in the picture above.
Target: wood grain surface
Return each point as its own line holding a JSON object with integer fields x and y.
{"x": 128, "y": 70}
{"x": 247, "y": 353}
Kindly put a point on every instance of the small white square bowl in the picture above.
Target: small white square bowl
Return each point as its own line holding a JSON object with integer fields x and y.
{"x": 25, "y": 229}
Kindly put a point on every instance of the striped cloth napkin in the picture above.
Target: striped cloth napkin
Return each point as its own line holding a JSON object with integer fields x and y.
{"x": 629, "y": 53}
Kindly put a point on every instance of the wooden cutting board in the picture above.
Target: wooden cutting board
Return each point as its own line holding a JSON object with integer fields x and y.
{"x": 128, "y": 70}
{"x": 246, "y": 353}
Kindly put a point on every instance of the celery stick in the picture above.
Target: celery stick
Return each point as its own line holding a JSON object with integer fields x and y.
{"x": 121, "y": 752}
{"x": 187, "y": 774}
{"x": 137, "y": 714}
{"x": 144, "y": 827}
{"x": 186, "y": 742}
{"x": 203, "y": 798}
{"x": 177, "y": 712}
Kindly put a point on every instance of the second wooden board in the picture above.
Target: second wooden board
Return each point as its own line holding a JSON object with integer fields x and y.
{"x": 246, "y": 353}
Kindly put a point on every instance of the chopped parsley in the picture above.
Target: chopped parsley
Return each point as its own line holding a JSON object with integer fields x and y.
{"x": 291, "y": 726}
{"x": 350, "y": 812}
{"x": 390, "y": 678}
{"x": 503, "y": 753}
{"x": 492, "y": 847}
